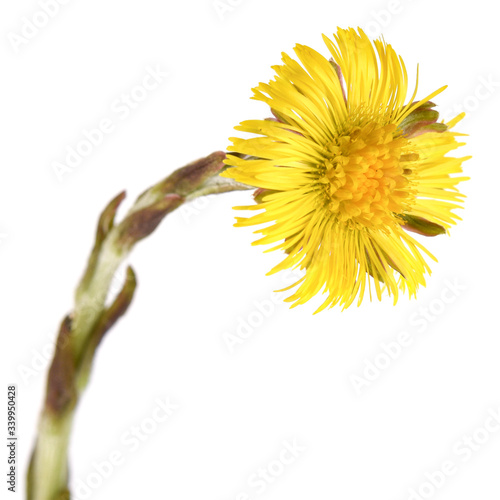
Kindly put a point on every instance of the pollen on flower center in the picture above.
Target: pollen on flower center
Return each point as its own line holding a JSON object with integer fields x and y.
{"x": 348, "y": 166}
{"x": 365, "y": 174}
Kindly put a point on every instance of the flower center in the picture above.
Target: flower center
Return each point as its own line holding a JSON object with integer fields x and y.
{"x": 366, "y": 174}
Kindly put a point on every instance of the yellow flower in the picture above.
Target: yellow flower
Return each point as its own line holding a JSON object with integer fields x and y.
{"x": 344, "y": 168}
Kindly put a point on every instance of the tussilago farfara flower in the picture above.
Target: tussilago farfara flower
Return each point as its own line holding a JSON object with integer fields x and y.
{"x": 348, "y": 166}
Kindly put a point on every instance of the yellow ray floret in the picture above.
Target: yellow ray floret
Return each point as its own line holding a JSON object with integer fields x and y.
{"x": 345, "y": 168}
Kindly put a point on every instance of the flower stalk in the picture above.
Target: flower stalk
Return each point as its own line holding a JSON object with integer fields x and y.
{"x": 83, "y": 329}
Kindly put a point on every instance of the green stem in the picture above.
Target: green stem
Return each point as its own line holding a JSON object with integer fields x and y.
{"x": 49, "y": 467}
{"x": 90, "y": 301}
{"x": 82, "y": 331}
{"x": 48, "y": 475}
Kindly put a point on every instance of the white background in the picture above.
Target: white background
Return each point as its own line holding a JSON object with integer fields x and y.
{"x": 199, "y": 278}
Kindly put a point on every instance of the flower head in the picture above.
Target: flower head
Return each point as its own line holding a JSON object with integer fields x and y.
{"x": 345, "y": 168}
